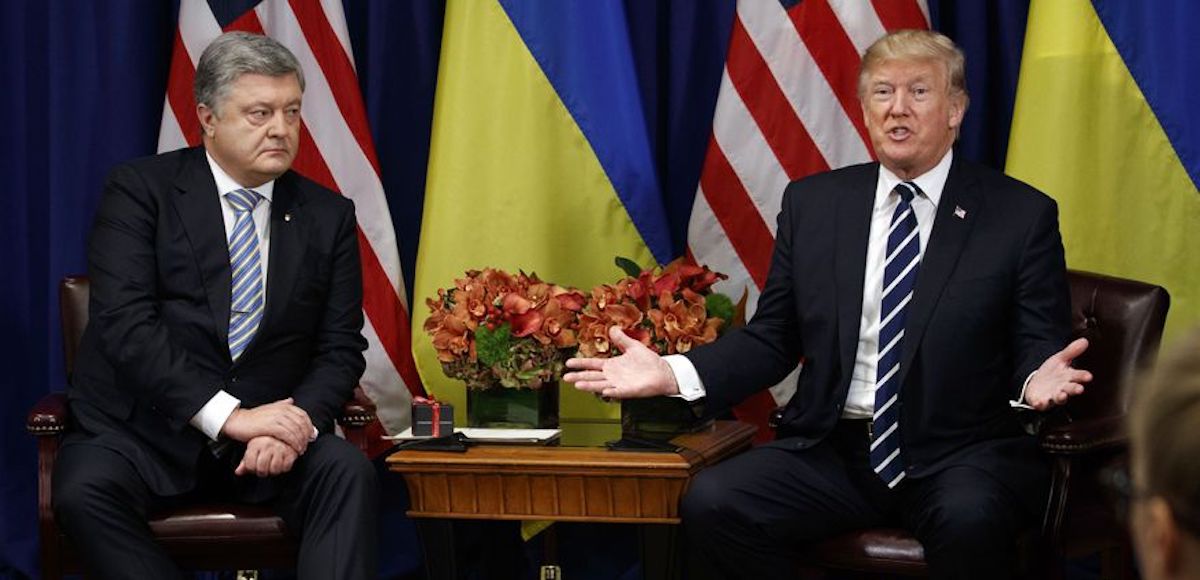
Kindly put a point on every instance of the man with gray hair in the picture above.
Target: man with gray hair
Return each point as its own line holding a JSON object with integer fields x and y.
{"x": 928, "y": 298}
{"x": 224, "y": 336}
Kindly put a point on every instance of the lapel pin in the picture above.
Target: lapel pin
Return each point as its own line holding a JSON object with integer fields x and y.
{"x": 287, "y": 217}
{"x": 960, "y": 213}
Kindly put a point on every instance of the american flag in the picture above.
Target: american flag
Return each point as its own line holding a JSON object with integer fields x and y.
{"x": 787, "y": 108}
{"x": 336, "y": 151}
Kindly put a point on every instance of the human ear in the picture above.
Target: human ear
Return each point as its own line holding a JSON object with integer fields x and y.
{"x": 207, "y": 118}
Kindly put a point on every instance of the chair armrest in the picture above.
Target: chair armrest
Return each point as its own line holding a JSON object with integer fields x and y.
{"x": 358, "y": 412}
{"x": 49, "y": 416}
{"x": 1083, "y": 436}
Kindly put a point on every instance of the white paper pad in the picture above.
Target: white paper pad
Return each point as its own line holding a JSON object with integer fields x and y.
{"x": 490, "y": 435}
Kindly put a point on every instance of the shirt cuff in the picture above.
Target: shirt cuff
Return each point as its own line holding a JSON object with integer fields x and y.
{"x": 690, "y": 386}
{"x": 212, "y": 416}
{"x": 1020, "y": 403}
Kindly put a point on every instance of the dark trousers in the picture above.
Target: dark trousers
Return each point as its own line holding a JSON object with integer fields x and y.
{"x": 328, "y": 498}
{"x": 745, "y": 517}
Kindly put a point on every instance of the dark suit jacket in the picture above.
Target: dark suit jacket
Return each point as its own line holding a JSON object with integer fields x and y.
{"x": 155, "y": 349}
{"x": 991, "y": 303}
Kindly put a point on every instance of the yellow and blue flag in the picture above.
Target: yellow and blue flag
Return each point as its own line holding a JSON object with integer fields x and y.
{"x": 540, "y": 159}
{"x": 1103, "y": 124}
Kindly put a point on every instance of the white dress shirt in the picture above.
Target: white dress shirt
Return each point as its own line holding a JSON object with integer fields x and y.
{"x": 860, "y": 401}
{"x": 212, "y": 416}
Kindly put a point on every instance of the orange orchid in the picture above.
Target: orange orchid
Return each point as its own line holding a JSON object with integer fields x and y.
{"x": 493, "y": 327}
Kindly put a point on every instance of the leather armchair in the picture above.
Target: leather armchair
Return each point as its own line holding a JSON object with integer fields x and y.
{"x": 200, "y": 536}
{"x": 1123, "y": 320}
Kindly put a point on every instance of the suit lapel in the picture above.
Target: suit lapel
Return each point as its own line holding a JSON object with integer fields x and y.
{"x": 850, "y": 250}
{"x": 199, "y": 211}
{"x": 946, "y": 243}
{"x": 288, "y": 245}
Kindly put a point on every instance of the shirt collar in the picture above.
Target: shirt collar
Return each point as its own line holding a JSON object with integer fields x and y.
{"x": 932, "y": 182}
{"x": 226, "y": 184}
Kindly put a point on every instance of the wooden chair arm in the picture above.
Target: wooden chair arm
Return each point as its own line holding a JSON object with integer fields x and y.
{"x": 49, "y": 416}
{"x": 356, "y": 415}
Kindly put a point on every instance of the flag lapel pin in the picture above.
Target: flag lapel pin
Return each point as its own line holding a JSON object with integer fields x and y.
{"x": 960, "y": 213}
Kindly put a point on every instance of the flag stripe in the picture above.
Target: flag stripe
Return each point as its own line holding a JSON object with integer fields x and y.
{"x": 801, "y": 80}
{"x": 900, "y": 14}
{"x": 834, "y": 54}
{"x": 170, "y": 135}
{"x": 335, "y": 63}
{"x": 198, "y": 27}
{"x": 179, "y": 94}
{"x": 388, "y": 315}
{"x": 749, "y": 236}
{"x": 751, "y": 157}
{"x": 859, "y": 21}
{"x": 776, "y": 119}
{"x": 714, "y": 249}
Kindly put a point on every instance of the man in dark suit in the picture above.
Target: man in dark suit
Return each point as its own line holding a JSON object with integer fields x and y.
{"x": 224, "y": 336}
{"x": 928, "y": 298}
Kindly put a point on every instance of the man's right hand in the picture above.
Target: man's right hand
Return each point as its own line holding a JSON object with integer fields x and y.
{"x": 638, "y": 372}
{"x": 282, "y": 420}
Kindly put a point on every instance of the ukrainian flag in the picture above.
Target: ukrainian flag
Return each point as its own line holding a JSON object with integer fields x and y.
{"x": 540, "y": 159}
{"x": 1103, "y": 124}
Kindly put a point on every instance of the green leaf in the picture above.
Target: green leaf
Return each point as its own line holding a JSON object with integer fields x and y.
{"x": 628, "y": 266}
{"x": 493, "y": 346}
{"x": 719, "y": 306}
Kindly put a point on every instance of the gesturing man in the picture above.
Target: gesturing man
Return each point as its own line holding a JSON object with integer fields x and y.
{"x": 928, "y": 298}
{"x": 224, "y": 336}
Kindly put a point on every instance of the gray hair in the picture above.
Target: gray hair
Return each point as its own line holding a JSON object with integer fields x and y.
{"x": 234, "y": 54}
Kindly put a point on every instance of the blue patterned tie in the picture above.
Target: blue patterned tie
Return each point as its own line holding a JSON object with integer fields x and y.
{"x": 899, "y": 278}
{"x": 246, "y": 301}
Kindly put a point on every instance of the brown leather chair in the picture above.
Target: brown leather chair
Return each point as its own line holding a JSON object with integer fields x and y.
{"x": 1123, "y": 320}
{"x": 199, "y": 537}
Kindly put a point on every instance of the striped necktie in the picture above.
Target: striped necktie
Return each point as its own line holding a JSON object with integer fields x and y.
{"x": 246, "y": 300}
{"x": 899, "y": 278}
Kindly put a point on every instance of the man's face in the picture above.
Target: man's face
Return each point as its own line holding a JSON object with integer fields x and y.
{"x": 911, "y": 115}
{"x": 257, "y": 134}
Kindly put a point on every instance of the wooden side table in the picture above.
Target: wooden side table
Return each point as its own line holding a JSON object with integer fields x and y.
{"x": 523, "y": 482}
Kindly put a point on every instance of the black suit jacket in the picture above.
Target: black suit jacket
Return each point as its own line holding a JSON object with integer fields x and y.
{"x": 991, "y": 303}
{"x": 155, "y": 349}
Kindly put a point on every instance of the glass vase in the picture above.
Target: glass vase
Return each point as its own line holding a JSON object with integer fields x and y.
{"x": 498, "y": 407}
{"x": 660, "y": 418}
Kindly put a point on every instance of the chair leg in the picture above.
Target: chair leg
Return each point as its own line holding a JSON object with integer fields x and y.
{"x": 51, "y": 560}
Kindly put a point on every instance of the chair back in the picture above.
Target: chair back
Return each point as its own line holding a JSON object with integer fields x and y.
{"x": 73, "y": 305}
{"x": 1123, "y": 321}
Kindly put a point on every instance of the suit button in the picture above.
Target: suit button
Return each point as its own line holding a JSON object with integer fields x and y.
{"x": 233, "y": 379}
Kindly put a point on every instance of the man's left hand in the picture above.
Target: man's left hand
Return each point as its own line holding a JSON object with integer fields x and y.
{"x": 266, "y": 456}
{"x": 1056, "y": 380}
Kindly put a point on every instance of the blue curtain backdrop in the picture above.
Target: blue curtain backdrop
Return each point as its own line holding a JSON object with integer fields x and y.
{"x": 84, "y": 90}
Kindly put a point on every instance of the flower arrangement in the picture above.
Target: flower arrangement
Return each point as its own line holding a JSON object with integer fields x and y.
{"x": 495, "y": 328}
{"x": 671, "y": 309}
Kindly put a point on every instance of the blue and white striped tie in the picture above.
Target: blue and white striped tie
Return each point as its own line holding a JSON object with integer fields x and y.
{"x": 246, "y": 300}
{"x": 899, "y": 278}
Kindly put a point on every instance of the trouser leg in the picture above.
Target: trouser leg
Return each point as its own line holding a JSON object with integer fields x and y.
{"x": 102, "y": 504}
{"x": 745, "y": 517}
{"x": 330, "y": 498}
{"x": 968, "y": 523}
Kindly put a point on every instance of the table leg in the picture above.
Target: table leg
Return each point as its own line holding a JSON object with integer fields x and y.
{"x": 437, "y": 546}
{"x": 660, "y": 551}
